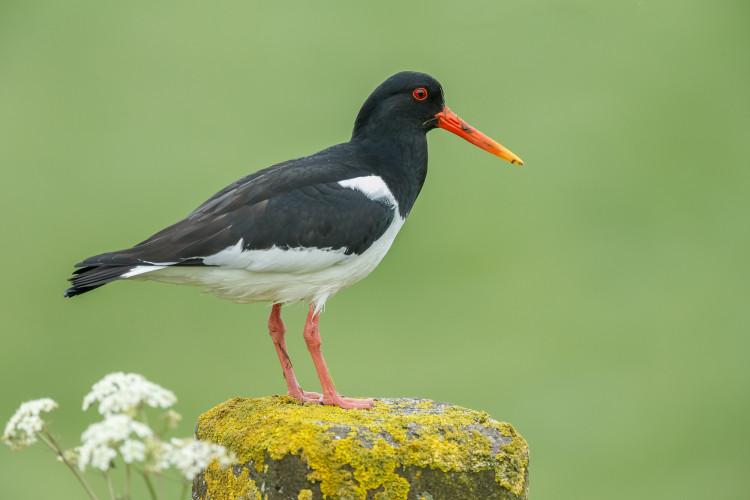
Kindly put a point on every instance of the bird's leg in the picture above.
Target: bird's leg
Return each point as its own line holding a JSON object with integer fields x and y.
{"x": 330, "y": 396}
{"x": 277, "y": 329}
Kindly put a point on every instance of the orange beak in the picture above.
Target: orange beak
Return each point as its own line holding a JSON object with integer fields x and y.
{"x": 448, "y": 120}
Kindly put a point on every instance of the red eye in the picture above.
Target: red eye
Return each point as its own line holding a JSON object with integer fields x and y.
{"x": 420, "y": 94}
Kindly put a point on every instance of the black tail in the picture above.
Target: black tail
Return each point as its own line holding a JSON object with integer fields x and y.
{"x": 91, "y": 277}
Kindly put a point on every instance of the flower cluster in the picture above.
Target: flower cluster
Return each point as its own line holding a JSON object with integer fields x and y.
{"x": 25, "y": 424}
{"x": 124, "y": 392}
{"x": 190, "y": 456}
{"x": 102, "y": 441}
{"x": 121, "y": 397}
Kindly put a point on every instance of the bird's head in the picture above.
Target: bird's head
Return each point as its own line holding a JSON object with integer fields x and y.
{"x": 410, "y": 100}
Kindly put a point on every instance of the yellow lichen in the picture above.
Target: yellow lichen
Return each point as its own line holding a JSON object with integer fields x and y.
{"x": 515, "y": 462}
{"x": 425, "y": 405}
{"x": 222, "y": 484}
{"x": 351, "y": 452}
{"x": 305, "y": 495}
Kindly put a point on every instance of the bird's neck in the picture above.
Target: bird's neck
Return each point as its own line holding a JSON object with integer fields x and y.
{"x": 400, "y": 159}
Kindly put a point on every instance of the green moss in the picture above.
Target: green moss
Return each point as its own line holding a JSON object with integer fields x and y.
{"x": 351, "y": 452}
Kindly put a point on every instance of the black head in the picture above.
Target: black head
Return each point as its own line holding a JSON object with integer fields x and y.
{"x": 408, "y": 105}
{"x": 404, "y": 102}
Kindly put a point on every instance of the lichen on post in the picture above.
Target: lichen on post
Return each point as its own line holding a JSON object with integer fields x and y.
{"x": 401, "y": 449}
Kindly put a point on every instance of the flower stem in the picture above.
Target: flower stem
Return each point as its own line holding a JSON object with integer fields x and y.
{"x": 109, "y": 485}
{"x": 150, "y": 486}
{"x": 127, "y": 481}
{"x": 46, "y": 438}
{"x": 184, "y": 493}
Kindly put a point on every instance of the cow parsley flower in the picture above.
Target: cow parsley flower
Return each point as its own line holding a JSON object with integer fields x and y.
{"x": 25, "y": 424}
{"x": 157, "y": 455}
{"x": 190, "y": 457}
{"x": 124, "y": 392}
{"x": 102, "y": 440}
{"x": 120, "y": 398}
{"x": 132, "y": 450}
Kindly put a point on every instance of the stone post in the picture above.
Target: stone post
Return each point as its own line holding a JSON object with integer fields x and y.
{"x": 400, "y": 449}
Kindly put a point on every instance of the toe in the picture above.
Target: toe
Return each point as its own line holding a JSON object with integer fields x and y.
{"x": 347, "y": 403}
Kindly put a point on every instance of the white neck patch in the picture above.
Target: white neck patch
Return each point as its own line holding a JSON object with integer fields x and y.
{"x": 372, "y": 186}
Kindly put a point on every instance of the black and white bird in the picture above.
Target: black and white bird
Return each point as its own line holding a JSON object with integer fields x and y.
{"x": 303, "y": 229}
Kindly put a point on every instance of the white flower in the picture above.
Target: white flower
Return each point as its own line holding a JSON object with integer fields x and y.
{"x": 102, "y": 440}
{"x": 132, "y": 451}
{"x": 26, "y": 423}
{"x": 100, "y": 457}
{"x": 123, "y": 392}
{"x": 158, "y": 454}
{"x": 190, "y": 457}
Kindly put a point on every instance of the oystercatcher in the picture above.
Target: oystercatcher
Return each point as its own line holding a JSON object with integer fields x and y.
{"x": 305, "y": 228}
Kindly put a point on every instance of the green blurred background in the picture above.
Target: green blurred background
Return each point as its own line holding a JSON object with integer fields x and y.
{"x": 596, "y": 298}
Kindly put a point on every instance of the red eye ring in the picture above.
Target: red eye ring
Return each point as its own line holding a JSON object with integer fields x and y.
{"x": 420, "y": 94}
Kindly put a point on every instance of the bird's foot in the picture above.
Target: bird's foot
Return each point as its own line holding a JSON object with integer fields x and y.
{"x": 331, "y": 400}
{"x": 347, "y": 403}
{"x": 312, "y": 396}
{"x": 304, "y": 396}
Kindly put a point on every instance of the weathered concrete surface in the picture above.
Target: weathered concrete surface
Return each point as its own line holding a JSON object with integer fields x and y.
{"x": 401, "y": 449}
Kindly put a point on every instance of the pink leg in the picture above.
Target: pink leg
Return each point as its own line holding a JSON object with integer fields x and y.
{"x": 277, "y": 329}
{"x": 330, "y": 396}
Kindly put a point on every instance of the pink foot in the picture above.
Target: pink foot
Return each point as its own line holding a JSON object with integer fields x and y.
{"x": 313, "y": 396}
{"x": 334, "y": 400}
{"x": 348, "y": 403}
{"x": 306, "y": 397}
